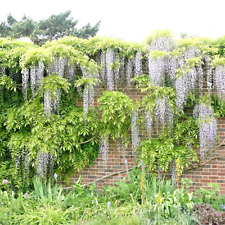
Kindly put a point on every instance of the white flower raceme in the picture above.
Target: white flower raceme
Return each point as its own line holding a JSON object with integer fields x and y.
{"x": 104, "y": 147}
{"x": 135, "y": 131}
{"x": 207, "y": 128}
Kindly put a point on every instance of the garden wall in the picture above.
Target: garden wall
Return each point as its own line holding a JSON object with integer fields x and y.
{"x": 214, "y": 170}
{"x": 106, "y": 173}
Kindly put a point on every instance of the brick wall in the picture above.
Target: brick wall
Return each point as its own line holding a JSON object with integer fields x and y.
{"x": 106, "y": 173}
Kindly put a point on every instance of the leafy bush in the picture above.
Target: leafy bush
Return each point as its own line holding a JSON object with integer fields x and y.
{"x": 9, "y": 172}
{"x": 210, "y": 196}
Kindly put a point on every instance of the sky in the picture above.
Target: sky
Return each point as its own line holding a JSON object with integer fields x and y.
{"x": 131, "y": 20}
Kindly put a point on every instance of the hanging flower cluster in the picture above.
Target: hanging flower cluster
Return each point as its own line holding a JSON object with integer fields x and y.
{"x": 157, "y": 69}
{"x": 26, "y": 159}
{"x": 159, "y": 111}
{"x": 23, "y": 161}
{"x": 163, "y": 113}
{"x": 129, "y": 70}
{"x": 173, "y": 172}
{"x": 182, "y": 70}
{"x": 104, "y": 147}
{"x": 58, "y": 68}
{"x": 45, "y": 164}
{"x": 138, "y": 63}
{"x": 113, "y": 67}
{"x": 219, "y": 82}
{"x": 110, "y": 57}
{"x": 203, "y": 113}
{"x": 189, "y": 75}
{"x": 171, "y": 68}
{"x": 88, "y": 93}
{"x": 25, "y": 80}
{"x": 103, "y": 66}
{"x": 158, "y": 64}
{"x": 36, "y": 75}
{"x": 209, "y": 73}
{"x": 47, "y": 104}
{"x": 162, "y": 44}
{"x": 135, "y": 131}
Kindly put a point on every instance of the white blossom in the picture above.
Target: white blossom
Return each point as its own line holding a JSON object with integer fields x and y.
{"x": 203, "y": 113}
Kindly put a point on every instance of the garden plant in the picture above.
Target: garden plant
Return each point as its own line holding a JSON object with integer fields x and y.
{"x": 43, "y": 131}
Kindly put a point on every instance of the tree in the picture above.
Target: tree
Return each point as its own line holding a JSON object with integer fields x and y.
{"x": 23, "y": 28}
{"x": 17, "y": 29}
{"x": 87, "y": 31}
{"x": 4, "y": 30}
{"x": 53, "y": 28}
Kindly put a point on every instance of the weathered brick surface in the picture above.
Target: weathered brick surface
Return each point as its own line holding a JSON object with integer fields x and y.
{"x": 114, "y": 164}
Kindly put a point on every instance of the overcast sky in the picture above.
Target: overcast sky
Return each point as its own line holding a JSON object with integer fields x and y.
{"x": 131, "y": 20}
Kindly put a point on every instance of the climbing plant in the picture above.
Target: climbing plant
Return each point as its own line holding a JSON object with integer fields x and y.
{"x": 43, "y": 130}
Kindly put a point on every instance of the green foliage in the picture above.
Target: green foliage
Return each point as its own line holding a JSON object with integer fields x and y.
{"x": 48, "y": 215}
{"x": 115, "y": 108}
{"x": 175, "y": 141}
{"x": 7, "y": 82}
{"x": 206, "y": 45}
{"x": 87, "y": 31}
{"x": 167, "y": 147}
{"x": 85, "y": 81}
{"x": 97, "y": 44}
{"x": 122, "y": 48}
{"x": 125, "y": 191}
{"x": 218, "y": 106}
{"x": 218, "y": 61}
{"x": 195, "y": 61}
{"x": 142, "y": 82}
{"x": 47, "y": 54}
{"x": 61, "y": 135}
{"x": 35, "y": 55}
{"x": 8, "y": 171}
{"x": 157, "y": 54}
{"x": 210, "y": 196}
{"x": 47, "y": 204}
{"x": 156, "y": 34}
{"x": 52, "y": 83}
{"x": 10, "y": 53}
{"x": 17, "y": 29}
{"x": 220, "y": 44}
{"x": 45, "y": 192}
{"x": 72, "y": 138}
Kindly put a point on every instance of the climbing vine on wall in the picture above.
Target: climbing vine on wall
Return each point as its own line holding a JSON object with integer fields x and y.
{"x": 42, "y": 129}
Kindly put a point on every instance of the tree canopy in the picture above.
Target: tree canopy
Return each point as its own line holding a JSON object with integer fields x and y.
{"x": 53, "y": 28}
